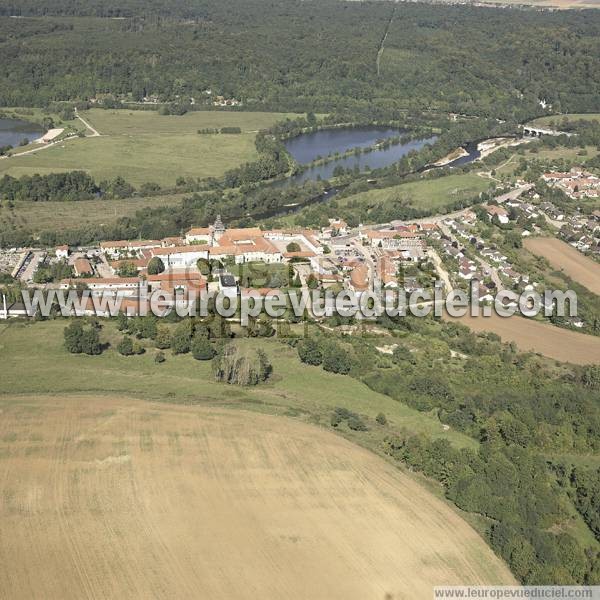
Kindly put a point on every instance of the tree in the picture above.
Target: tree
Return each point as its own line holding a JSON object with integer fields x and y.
{"x": 312, "y": 282}
{"x": 293, "y": 247}
{"x": 163, "y": 337}
{"x": 309, "y": 351}
{"x": 401, "y": 353}
{"x": 159, "y": 357}
{"x": 128, "y": 269}
{"x": 73, "y": 334}
{"x": 241, "y": 366}
{"x": 122, "y": 322}
{"x": 182, "y": 337}
{"x": 155, "y": 266}
{"x": 202, "y": 348}
{"x": 125, "y": 346}
{"x": 336, "y": 359}
{"x": 90, "y": 342}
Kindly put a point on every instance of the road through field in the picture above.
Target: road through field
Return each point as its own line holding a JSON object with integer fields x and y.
{"x": 120, "y": 498}
{"x": 564, "y": 257}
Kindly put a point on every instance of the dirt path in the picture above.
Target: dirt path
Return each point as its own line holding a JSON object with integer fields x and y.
{"x": 383, "y": 39}
{"x": 86, "y": 123}
{"x": 40, "y": 147}
{"x": 118, "y": 498}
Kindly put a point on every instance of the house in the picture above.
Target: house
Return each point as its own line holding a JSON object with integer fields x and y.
{"x": 336, "y": 227}
{"x": 83, "y": 267}
{"x": 104, "y": 284}
{"x": 118, "y": 249}
{"x": 14, "y": 309}
{"x": 181, "y": 256}
{"x": 62, "y": 252}
{"x": 199, "y": 235}
{"x": 359, "y": 278}
{"x": 497, "y": 211}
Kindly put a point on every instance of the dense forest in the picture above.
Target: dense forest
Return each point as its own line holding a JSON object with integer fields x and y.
{"x": 291, "y": 55}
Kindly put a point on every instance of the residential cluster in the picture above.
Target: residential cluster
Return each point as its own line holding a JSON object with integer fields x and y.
{"x": 576, "y": 183}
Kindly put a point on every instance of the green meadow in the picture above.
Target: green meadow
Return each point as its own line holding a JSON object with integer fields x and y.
{"x": 143, "y": 146}
{"x": 426, "y": 193}
{"x": 295, "y": 388}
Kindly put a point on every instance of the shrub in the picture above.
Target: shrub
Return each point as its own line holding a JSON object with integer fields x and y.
{"x": 202, "y": 348}
{"x": 381, "y": 419}
{"x": 125, "y": 346}
{"x": 356, "y": 423}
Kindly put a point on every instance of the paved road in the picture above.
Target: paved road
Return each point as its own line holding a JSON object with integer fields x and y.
{"x": 514, "y": 194}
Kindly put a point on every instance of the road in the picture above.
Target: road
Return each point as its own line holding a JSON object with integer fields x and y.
{"x": 514, "y": 194}
{"x": 94, "y": 131}
{"x": 439, "y": 267}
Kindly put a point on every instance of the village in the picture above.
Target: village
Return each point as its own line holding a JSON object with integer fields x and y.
{"x": 403, "y": 256}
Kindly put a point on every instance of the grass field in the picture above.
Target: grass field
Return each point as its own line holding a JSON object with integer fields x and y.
{"x": 507, "y": 168}
{"x": 143, "y": 146}
{"x": 545, "y": 121}
{"x": 564, "y": 257}
{"x": 151, "y": 485}
{"x": 40, "y": 216}
{"x": 535, "y": 336}
{"x": 37, "y": 349}
{"x": 426, "y": 194}
{"x": 110, "y": 497}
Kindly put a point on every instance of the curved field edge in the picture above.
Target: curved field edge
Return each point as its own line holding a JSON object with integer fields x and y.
{"x": 189, "y": 500}
{"x": 36, "y": 349}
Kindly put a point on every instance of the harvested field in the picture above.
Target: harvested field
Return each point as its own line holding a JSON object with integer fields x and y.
{"x": 120, "y": 498}
{"x": 534, "y": 336}
{"x": 564, "y": 257}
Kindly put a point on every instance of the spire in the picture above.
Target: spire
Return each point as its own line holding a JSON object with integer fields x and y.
{"x": 218, "y": 225}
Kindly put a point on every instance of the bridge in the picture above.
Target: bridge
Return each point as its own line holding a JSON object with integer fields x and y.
{"x": 529, "y": 131}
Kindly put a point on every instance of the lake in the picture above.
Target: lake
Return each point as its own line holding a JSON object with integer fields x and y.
{"x": 14, "y": 131}
{"x": 308, "y": 147}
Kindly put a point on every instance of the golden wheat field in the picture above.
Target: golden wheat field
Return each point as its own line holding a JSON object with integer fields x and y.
{"x": 534, "y": 336}
{"x": 121, "y": 498}
{"x": 564, "y": 257}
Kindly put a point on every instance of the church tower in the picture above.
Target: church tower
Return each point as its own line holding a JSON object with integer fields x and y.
{"x": 218, "y": 229}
